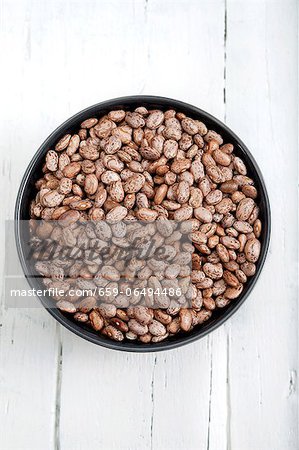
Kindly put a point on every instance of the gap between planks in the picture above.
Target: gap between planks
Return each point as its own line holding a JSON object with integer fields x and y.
{"x": 228, "y": 394}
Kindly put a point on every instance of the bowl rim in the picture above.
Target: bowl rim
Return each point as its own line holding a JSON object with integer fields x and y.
{"x": 131, "y": 346}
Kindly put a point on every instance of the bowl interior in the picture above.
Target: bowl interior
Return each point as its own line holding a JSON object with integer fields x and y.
{"x": 27, "y": 193}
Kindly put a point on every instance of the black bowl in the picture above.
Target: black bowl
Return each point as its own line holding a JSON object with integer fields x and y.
{"x": 27, "y": 191}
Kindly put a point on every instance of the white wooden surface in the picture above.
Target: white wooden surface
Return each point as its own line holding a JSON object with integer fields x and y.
{"x": 237, "y": 388}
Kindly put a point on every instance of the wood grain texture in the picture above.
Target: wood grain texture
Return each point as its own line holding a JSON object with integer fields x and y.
{"x": 28, "y": 339}
{"x": 261, "y": 80}
{"x": 237, "y": 388}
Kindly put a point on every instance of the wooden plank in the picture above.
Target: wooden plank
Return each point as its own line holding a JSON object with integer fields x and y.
{"x": 190, "y": 409}
{"x": 261, "y": 88}
{"x": 28, "y": 340}
{"x": 28, "y": 361}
